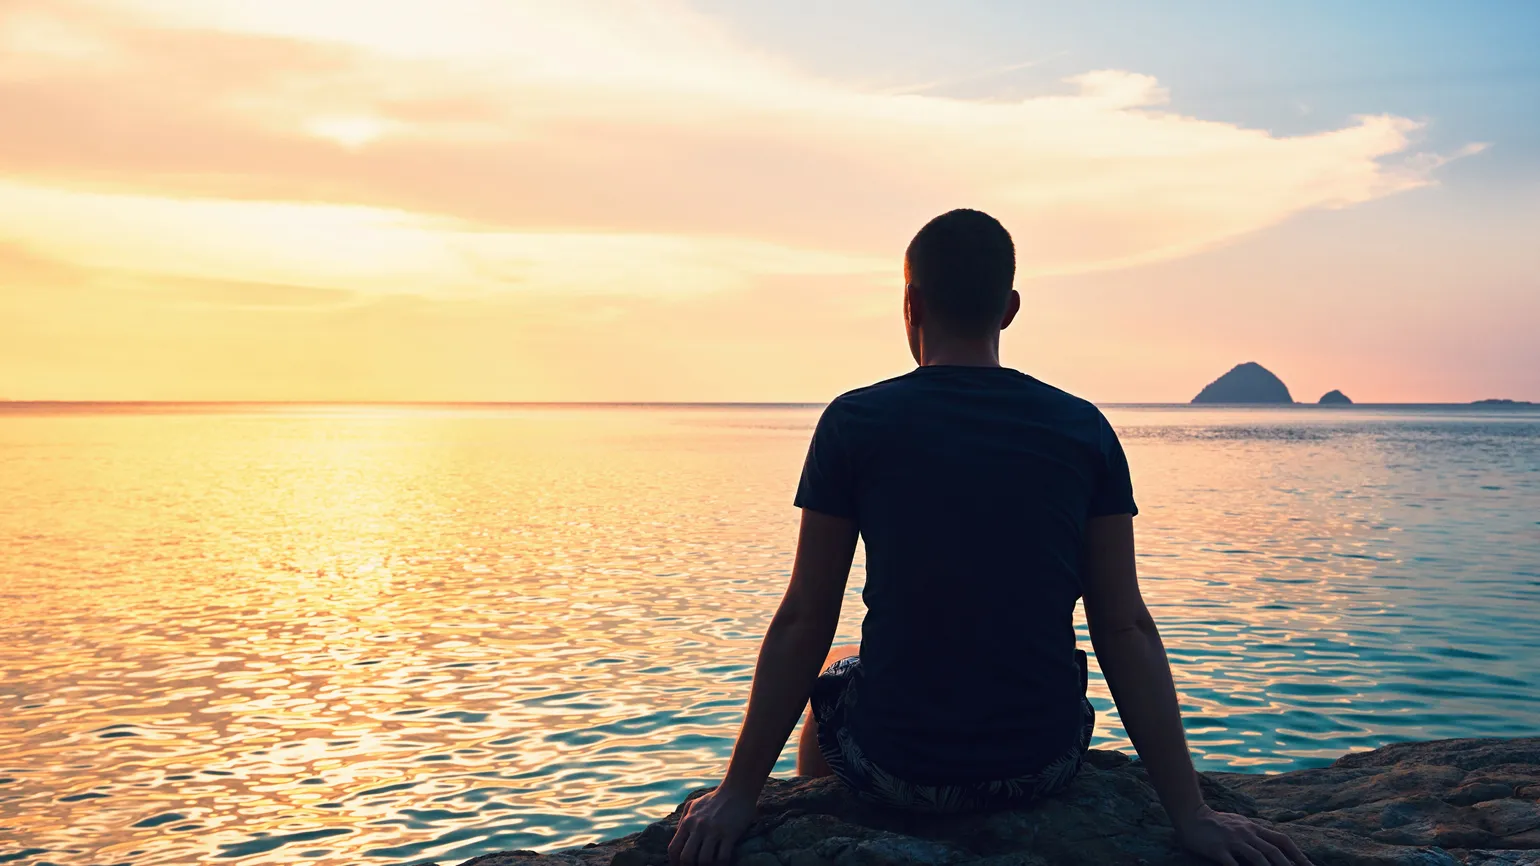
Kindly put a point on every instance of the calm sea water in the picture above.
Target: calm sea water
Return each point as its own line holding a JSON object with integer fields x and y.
{"x": 270, "y": 634}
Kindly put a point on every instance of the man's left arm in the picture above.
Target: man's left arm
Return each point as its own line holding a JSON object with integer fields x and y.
{"x": 795, "y": 645}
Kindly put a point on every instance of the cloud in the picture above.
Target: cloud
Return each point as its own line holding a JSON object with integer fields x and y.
{"x": 240, "y": 294}
{"x": 392, "y": 199}
{"x": 384, "y": 251}
{"x": 608, "y": 120}
{"x": 75, "y": 332}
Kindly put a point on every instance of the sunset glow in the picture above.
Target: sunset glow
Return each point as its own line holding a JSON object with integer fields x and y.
{"x": 542, "y": 431}
{"x": 362, "y": 200}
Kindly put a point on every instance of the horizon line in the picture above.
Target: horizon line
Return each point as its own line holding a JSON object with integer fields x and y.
{"x": 15, "y": 403}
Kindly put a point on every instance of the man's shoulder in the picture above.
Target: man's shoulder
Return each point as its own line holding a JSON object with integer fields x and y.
{"x": 876, "y": 392}
{"x": 1071, "y": 403}
{"x": 870, "y": 407}
{"x": 1075, "y": 417}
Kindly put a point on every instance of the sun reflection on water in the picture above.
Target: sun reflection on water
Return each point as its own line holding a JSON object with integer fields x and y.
{"x": 400, "y": 634}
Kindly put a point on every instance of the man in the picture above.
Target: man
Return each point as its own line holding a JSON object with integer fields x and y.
{"x": 989, "y": 503}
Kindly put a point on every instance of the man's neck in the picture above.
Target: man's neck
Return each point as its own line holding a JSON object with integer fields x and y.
{"x": 971, "y": 353}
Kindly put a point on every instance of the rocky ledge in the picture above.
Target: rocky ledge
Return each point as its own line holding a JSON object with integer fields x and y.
{"x": 1473, "y": 802}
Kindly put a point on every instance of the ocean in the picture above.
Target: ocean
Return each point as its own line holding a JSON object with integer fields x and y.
{"x": 392, "y": 634}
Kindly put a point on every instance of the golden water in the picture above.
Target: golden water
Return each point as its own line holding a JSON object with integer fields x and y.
{"x": 395, "y": 634}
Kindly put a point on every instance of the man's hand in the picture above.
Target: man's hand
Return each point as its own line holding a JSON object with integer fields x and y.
{"x": 710, "y": 827}
{"x": 1235, "y": 841}
{"x": 789, "y": 660}
{"x": 1130, "y": 653}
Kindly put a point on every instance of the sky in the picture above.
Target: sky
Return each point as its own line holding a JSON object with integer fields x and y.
{"x": 641, "y": 201}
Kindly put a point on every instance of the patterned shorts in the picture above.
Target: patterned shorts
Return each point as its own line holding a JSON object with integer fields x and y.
{"x": 832, "y": 695}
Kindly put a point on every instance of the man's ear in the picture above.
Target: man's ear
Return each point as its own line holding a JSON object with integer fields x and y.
{"x": 914, "y": 306}
{"x": 1012, "y": 307}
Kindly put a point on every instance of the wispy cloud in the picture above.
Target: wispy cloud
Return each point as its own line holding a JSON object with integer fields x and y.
{"x": 466, "y": 149}
{"x": 970, "y": 77}
{"x": 630, "y": 119}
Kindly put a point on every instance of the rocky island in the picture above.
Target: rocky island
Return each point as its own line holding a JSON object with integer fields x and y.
{"x": 1472, "y": 802}
{"x": 1245, "y": 383}
{"x": 1334, "y": 398}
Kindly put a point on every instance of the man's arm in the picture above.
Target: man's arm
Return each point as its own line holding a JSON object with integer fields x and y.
{"x": 795, "y": 645}
{"x": 1133, "y": 659}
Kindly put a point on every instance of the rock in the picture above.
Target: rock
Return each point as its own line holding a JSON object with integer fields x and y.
{"x": 1444, "y": 803}
{"x": 1246, "y": 383}
{"x": 1334, "y": 398}
{"x": 1461, "y": 795}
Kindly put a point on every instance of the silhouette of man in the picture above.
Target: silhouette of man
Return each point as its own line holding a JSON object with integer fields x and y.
{"x": 989, "y": 504}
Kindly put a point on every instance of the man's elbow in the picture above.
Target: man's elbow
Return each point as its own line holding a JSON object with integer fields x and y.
{"x": 1139, "y": 626}
{"x": 800, "y": 621}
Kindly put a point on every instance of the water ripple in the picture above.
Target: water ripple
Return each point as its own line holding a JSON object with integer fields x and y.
{"x": 394, "y": 635}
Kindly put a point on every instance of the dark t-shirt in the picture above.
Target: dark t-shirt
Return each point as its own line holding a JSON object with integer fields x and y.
{"x": 971, "y": 487}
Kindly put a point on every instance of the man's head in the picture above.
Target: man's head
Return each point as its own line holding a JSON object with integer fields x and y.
{"x": 958, "y": 272}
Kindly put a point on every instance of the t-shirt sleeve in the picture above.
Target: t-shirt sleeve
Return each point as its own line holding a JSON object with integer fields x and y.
{"x": 1114, "y": 493}
{"x": 828, "y": 478}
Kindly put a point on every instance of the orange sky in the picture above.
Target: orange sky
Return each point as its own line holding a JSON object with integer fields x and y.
{"x": 363, "y": 199}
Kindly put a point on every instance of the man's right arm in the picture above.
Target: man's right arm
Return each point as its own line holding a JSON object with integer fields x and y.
{"x": 1131, "y": 656}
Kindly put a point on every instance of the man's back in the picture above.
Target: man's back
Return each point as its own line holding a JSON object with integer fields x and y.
{"x": 971, "y": 487}
{"x": 989, "y": 502}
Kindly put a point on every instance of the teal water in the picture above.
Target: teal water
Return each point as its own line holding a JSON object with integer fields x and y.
{"x": 266, "y": 634}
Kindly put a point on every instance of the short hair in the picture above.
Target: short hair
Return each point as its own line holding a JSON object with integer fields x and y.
{"x": 963, "y": 264}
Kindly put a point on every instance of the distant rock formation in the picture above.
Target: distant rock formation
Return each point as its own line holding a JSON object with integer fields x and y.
{"x": 1500, "y": 401}
{"x": 1335, "y": 397}
{"x": 1247, "y": 383}
{"x": 1444, "y": 803}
